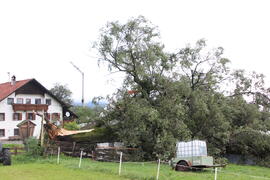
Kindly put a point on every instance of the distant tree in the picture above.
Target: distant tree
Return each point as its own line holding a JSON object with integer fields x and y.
{"x": 88, "y": 115}
{"x": 63, "y": 93}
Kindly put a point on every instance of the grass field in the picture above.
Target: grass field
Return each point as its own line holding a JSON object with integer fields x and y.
{"x": 25, "y": 168}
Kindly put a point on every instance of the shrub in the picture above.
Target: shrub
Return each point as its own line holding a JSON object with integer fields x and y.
{"x": 249, "y": 142}
{"x": 71, "y": 126}
{"x": 32, "y": 147}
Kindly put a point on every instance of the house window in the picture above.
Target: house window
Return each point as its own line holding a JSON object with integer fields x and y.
{"x": 38, "y": 101}
{"x": 10, "y": 100}
{"x": 31, "y": 116}
{"x": 17, "y": 116}
{"x": 19, "y": 101}
{"x": 55, "y": 116}
{"x": 2, "y": 132}
{"x": 28, "y": 101}
{"x": 16, "y": 132}
{"x": 2, "y": 116}
{"x": 48, "y": 101}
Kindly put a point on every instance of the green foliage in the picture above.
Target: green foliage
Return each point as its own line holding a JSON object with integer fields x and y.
{"x": 170, "y": 97}
{"x": 88, "y": 115}
{"x": 247, "y": 141}
{"x": 13, "y": 145}
{"x": 139, "y": 124}
{"x": 71, "y": 126}
{"x": 32, "y": 147}
{"x": 206, "y": 110}
{"x": 134, "y": 48}
{"x": 63, "y": 93}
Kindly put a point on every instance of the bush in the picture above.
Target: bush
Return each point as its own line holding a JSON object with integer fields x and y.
{"x": 249, "y": 142}
{"x": 71, "y": 126}
{"x": 13, "y": 145}
{"x": 32, "y": 147}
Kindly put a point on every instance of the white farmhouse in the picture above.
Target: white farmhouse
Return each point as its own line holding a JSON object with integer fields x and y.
{"x": 23, "y": 102}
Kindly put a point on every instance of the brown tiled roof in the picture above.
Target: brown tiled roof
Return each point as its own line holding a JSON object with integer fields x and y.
{"x": 6, "y": 88}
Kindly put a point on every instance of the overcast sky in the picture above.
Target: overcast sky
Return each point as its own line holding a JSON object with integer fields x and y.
{"x": 38, "y": 39}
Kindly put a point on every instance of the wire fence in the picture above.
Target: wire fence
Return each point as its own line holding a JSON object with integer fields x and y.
{"x": 154, "y": 170}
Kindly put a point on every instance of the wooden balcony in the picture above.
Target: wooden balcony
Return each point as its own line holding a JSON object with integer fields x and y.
{"x": 30, "y": 107}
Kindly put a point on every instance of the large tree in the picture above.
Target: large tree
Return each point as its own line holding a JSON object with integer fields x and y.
{"x": 167, "y": 97}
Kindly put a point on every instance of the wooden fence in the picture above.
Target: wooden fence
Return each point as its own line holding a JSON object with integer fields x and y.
{"x": 17, "y": 150}
{"x": 91, "y": 151}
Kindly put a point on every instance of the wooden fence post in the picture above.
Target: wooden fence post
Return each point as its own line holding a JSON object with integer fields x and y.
{"x": 73, "y": 148}
{"x": 158, "y": 169}
{"x": 215, "y": 173}
{"x": 58, "y": 155}
{"x": 80, "y": 162}
{"x": 15, "y": 150}
{"x": 120, "y": 164}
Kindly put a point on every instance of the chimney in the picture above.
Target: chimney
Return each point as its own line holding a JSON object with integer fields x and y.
{"x": 13, "y": 80}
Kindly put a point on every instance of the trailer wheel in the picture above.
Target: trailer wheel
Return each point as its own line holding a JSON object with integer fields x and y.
{"x": 182, "y": 166}
{"x": 6, "y": 157}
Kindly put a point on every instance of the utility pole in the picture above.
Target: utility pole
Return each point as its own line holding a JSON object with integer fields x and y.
{"x": 82, "y": 81}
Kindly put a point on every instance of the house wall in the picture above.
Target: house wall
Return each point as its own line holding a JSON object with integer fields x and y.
{"x": 9, "y": 124}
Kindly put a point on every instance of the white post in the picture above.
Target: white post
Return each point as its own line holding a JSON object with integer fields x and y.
{"x": 158, "y": 169}
{"x": 58, "y": 155}
{"x": 215, "y": 173}
{"x": 42, "y": 130}
{"x": 120, "y": 164}
{"x": 80, "y": 159}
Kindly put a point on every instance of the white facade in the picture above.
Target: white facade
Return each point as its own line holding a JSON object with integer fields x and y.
{"x": 9, "y": 124}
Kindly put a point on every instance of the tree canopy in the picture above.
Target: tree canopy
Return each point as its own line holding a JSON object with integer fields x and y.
{"x": 167, "y": 97}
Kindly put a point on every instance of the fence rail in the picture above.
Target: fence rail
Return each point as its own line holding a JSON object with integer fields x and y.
{"x": 17, "y": 150}
{"x": 91, "y": 151}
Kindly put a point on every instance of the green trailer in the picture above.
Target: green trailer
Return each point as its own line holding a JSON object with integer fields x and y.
{"x": 192, "y": 155}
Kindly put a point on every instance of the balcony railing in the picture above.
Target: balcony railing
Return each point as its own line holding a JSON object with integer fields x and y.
{"x": 30, "y": 107}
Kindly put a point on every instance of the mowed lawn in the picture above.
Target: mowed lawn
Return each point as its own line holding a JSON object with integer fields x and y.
{"x": 24, "y": 168}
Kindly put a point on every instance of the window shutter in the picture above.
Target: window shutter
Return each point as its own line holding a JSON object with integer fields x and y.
{"x": 20, "y": 116}
{"x": 27, "y": 116}
{"x": 34, "y": 116}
